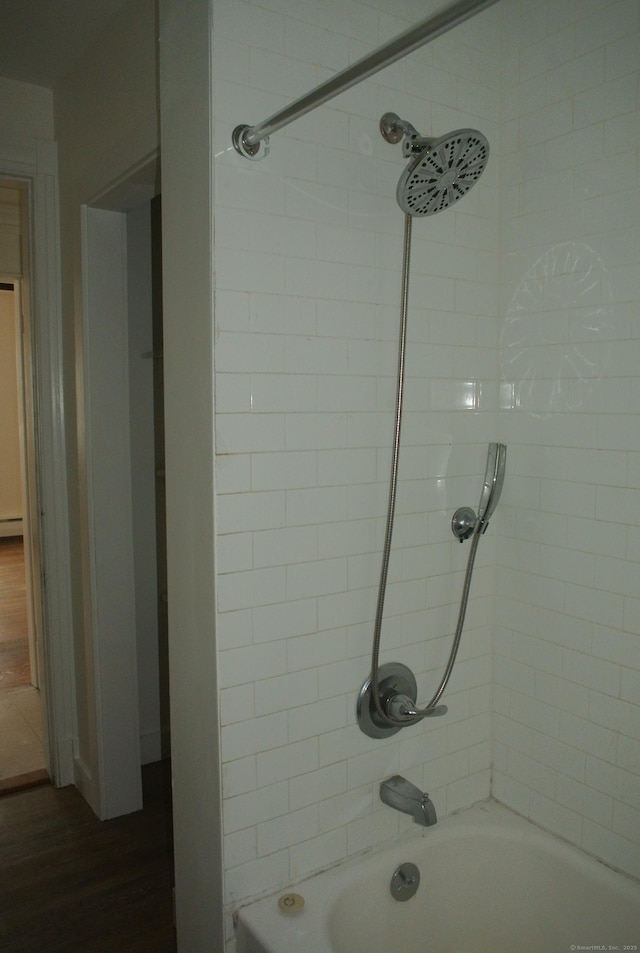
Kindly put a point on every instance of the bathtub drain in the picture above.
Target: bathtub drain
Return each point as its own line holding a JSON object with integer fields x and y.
{"x": 291, "y": 902}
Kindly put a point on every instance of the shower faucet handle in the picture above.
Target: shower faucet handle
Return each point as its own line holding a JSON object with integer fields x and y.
{"x": 402, "y": 707}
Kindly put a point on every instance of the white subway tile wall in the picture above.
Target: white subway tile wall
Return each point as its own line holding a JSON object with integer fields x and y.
{"x": 522, "y": 301}
{"x": 308, "y": 254}
{"x": 567, "y": 642}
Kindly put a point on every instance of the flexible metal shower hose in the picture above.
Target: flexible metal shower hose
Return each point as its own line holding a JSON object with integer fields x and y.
{"x": 386, "y": 553}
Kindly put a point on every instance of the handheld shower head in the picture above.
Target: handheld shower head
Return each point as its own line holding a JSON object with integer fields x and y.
{"x": 493, "y": 482}
{"x": 441, "y": 170}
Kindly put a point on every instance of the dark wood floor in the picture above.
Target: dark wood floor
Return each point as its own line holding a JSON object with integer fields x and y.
{"x": 69, "y": 882}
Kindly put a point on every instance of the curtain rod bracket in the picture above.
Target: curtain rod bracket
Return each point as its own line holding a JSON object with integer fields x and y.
{"x": 250, "y": 150}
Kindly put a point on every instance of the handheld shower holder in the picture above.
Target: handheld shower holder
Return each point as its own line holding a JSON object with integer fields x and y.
{"x": 463, "y": 523}
{"x": 466, "y": 522}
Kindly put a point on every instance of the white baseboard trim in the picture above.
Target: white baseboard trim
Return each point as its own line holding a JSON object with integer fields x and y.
{"x": 85, "y": 783}
{"x": 11, "y": 527}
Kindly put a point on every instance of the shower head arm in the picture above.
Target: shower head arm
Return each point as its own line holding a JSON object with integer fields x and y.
{"x": 393, "y": 128}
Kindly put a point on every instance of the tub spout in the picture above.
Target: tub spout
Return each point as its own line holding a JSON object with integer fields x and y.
{"x": 404, "y": 796}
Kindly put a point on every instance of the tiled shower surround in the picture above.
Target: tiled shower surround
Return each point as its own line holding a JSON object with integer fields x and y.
{"x": 567, "y": 610}
{"x": 523, "y": 327}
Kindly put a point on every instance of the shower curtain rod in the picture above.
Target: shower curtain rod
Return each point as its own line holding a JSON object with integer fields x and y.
{"x": 247, "y": 139}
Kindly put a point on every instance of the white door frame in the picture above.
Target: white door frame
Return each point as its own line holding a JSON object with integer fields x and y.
{"x": 112, "y": 784}
{"x": 32, "y": 165}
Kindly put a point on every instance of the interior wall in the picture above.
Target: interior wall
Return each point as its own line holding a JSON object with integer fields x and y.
{"x": 567, "y": 670}
{"x": 308, "y": 249}
{"x": 27, "y": 112}
{"x": 10, "y": 233}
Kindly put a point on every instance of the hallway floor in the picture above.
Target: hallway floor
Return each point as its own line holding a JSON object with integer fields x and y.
{"x": 21, "y": 741}
{"x": 21, "y": 750}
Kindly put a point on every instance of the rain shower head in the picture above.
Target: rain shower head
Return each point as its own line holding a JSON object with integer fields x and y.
{"x": 441, "y": 171}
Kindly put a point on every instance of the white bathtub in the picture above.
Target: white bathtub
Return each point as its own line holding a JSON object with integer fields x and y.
{"x": 491, "y": 882}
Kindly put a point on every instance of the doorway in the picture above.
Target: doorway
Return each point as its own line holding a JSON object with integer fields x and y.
{"x": 23, "y": 759}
